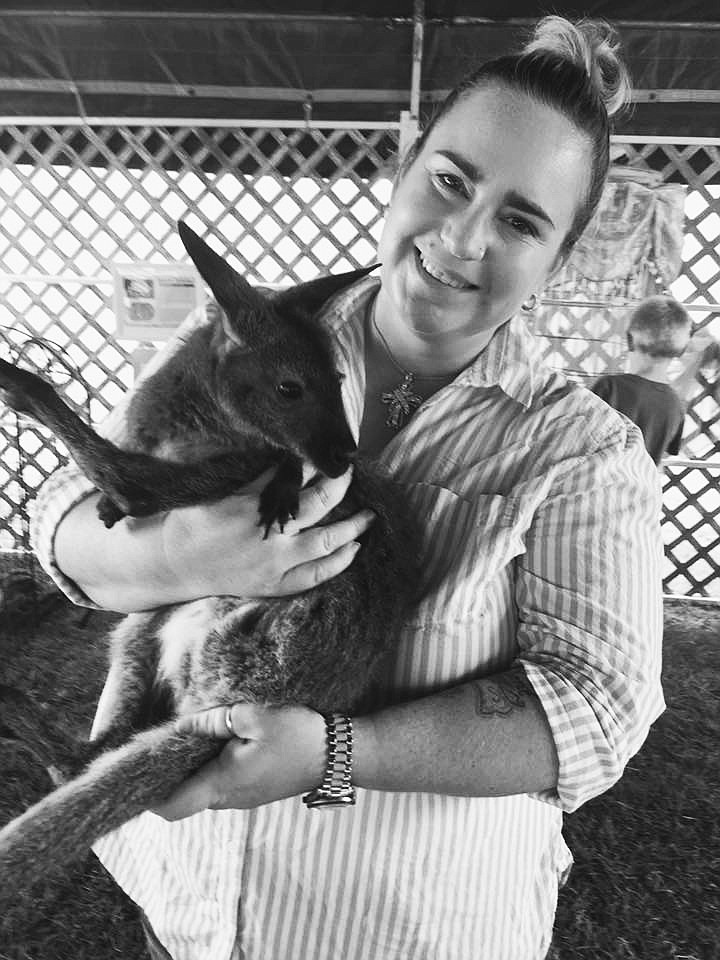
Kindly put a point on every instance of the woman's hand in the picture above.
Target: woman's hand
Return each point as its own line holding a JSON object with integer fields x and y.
{"x": 219, "y": 549}
{"x": 214, "y": 549}
{"x": 272, "y": 753}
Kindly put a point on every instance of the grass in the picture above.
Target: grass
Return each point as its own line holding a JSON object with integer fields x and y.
{"x": 646, "y": 881}
{"x": 55, "y": 652}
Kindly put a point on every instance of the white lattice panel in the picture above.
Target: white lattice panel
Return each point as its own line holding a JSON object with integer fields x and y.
{"x": 286, "y": 205}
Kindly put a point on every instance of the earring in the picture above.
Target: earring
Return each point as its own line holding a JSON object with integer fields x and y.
{"x": 529, "y": 305}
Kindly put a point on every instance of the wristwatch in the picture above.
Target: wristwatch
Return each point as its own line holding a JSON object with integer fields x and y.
{"x": 336, "y": 789}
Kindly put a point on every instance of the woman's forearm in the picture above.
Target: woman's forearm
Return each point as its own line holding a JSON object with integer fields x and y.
{"x": 485, "y": 738}
{"x": 211, "y": 549}
{"x": 122, "y": 568}
{"x": 489, "y": 737}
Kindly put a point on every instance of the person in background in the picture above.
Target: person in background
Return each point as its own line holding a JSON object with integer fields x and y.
{"x": 659, "y": 331}
{"x": 529, "y": 672}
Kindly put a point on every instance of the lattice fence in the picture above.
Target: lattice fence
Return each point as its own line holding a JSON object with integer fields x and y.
{"x": 288, "y": 204}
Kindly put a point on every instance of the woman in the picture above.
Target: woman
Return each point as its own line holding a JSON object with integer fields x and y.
{"x": 529, "y": 673}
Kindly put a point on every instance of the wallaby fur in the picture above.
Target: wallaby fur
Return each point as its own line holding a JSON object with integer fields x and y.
{"x": 257, "y": 388}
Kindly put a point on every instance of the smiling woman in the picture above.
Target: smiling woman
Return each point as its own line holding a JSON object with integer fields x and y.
{"x": 477, "y": 225}
{"x": 528, "y": 672}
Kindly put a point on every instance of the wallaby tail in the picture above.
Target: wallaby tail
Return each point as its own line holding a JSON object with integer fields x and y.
{"x": 29, "y": 393}
{"x": 117, "y": 786}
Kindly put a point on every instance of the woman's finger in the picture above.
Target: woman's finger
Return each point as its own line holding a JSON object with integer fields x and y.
{"x": 197, "y": 793}
{"x": 238, "y": 720}
{"x": 214, "y": 722}
{"x": 317, "y": 500}
{"x": 320, "y": 542}
{"x": 307, "y": 575}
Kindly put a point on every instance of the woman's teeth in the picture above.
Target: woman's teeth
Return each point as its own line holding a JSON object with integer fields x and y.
{"x": 437, "y": 274}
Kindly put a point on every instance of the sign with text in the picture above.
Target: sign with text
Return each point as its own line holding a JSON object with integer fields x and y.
{"x": 151, "y": 300}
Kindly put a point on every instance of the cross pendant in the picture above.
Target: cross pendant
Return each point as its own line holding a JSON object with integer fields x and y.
{"x": 401, "y": 402}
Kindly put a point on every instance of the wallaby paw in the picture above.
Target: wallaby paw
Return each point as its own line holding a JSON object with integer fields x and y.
{"x": 124, "y": 499}
{"x": 109, "y": 512}
{"x": 279, "y": 502}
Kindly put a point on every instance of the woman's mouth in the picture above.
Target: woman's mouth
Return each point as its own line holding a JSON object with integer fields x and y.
{"x": 440, "y": 274}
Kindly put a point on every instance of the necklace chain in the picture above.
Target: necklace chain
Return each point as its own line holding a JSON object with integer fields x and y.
{"x": 391, "y": 355}
{"x": 401, "y": 401}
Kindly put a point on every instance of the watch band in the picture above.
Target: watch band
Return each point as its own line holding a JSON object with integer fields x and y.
{"x": 336, "y": 788}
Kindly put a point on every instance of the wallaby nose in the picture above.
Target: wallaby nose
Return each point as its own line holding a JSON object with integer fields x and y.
{"x": 341, "y": 458}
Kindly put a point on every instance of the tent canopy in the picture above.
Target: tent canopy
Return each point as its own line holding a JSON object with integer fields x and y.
{"x": 335, "y": 61}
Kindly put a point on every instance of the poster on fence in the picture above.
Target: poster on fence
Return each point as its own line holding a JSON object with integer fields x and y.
{"x": 151, "y": 300}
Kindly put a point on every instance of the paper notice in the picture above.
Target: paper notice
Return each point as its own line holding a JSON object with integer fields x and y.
{"x": 152, "y": 299}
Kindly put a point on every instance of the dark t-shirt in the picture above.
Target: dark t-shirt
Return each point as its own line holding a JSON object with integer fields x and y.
{"x": 653, "y": 406}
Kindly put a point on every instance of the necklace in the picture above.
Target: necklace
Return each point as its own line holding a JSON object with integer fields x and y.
{"x": 401, "y": 401}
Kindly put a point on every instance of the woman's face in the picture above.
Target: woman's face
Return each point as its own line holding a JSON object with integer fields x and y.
{"x": 477, "y": 221}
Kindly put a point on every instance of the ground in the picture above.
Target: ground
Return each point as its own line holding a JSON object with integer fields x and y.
{"x": 646, "y": 881}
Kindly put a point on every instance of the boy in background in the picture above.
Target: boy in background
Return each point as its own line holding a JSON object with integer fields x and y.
{"x": 658, "y": 332}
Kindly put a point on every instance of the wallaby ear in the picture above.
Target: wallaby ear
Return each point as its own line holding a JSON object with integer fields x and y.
{"x": 234, "y": 294}
{"x": 313, "y": 294}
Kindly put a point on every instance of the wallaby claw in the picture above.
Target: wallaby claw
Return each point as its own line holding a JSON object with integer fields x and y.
{"x": 109, "y": 512}
{"x": 279, "y": 502}
{"x": 117, "y": 503}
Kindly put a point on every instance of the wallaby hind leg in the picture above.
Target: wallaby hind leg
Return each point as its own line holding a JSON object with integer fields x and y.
{"x": 131, "y": 699}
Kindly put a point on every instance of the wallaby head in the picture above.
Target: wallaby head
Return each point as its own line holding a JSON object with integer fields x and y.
{"x": 274, "y": 363}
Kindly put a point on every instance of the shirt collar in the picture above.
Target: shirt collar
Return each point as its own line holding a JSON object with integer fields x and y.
{"x": 510, "y": 361}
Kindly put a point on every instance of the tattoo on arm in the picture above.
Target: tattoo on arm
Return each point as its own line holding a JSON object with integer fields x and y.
{"x": 498, "y": 696}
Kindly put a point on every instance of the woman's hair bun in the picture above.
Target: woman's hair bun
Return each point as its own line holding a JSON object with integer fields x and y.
{"x": 592, "y": 45}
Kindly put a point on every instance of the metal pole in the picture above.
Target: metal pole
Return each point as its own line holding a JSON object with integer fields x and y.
{"x": 417, "y": 56}
{"x": 409, "y": 119}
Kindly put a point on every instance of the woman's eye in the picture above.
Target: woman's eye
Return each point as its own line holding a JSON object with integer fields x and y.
{"x": 289, "y": 389}
{"x": 451, "y": 181}
{"x": 522, "y": 226}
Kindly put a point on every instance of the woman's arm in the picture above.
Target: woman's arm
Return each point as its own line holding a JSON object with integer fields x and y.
{"x": 208, "y": 550}
{"x": 489, "y": 738}
{"x": 562, "y": 722}
{"x": 486, "y": 738}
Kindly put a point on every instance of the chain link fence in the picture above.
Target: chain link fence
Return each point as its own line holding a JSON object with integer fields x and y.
{"x": 287, "y": 204}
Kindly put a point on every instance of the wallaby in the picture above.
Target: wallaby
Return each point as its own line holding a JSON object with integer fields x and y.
{"x": 257, "y": 388}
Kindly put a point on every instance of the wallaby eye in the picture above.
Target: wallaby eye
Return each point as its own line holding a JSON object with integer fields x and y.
{"x": 289, "y": 389}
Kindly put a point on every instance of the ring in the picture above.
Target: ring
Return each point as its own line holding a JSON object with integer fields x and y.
{"x": 228, "y": 720}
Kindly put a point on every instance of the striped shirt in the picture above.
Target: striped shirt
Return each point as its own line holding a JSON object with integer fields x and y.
{"x": 541, "y": 511}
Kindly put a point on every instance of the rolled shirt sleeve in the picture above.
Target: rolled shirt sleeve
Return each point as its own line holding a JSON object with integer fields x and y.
{"x": 589, "y": 595}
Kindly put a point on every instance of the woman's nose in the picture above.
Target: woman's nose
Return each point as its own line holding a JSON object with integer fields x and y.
{"x": 465, "y": 235}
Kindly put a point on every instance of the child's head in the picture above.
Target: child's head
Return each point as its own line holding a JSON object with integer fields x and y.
{"x": 659, "y": 327}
